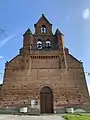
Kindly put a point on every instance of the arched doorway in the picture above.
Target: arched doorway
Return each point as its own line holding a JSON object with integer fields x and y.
{"x": 46, "y": 100}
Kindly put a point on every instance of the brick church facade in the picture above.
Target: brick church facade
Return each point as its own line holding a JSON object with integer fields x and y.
{"x": 44, "y": 72}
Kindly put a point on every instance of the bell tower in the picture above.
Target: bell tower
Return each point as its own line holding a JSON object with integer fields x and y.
{"x": 43, "y": 34}
{"x": 43, "y": 26}
{"x": 44, "y": 40}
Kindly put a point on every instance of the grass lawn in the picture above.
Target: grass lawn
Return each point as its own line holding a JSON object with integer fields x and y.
{"x": 77, "y": 117}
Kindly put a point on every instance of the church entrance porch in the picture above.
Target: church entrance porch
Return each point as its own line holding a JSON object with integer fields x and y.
{"x": 46, "y": 100}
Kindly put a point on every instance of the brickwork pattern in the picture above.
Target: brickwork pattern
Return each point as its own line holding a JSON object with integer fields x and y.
{"x": 33, "y": 69}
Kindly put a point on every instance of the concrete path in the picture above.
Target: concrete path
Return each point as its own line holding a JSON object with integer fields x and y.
{"x": 18, "y": 117}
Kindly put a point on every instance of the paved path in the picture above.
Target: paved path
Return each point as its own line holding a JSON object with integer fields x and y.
{"x": 18, "y": 117}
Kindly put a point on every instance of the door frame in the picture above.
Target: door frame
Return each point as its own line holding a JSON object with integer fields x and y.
{"x": 50, "y": 92}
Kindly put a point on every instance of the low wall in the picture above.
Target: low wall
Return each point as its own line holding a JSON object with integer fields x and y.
{"x": 36, "y": 111}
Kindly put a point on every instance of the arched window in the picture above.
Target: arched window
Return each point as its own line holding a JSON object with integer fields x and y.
{"x": 39, "y": 44}
{"x": 48, "y": 44}
{"x": 43, "y": 29}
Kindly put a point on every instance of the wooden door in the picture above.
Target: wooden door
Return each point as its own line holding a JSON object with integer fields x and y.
{"x": 46, "y": 100}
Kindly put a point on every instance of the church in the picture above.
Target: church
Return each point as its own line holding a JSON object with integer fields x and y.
{"x": 44, "y": 75}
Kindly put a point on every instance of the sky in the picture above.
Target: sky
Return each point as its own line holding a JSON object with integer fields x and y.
{"x": 72, "y": 17}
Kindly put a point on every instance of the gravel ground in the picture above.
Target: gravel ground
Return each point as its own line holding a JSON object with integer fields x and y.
{"x": 18, "y": 117}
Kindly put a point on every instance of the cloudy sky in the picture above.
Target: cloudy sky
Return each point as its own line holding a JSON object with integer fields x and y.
{"x": 72, "y": 17}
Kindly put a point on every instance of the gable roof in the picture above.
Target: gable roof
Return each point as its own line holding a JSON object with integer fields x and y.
{"x": 58, "y": 32}
{"x": 42, "y": 17}
{"x": 28, "y": 31}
